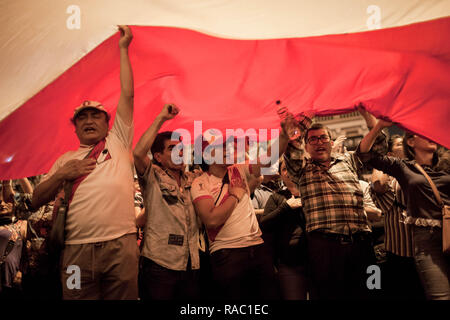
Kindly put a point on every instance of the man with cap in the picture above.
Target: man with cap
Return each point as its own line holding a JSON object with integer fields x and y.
{"x": 100, "y": 240}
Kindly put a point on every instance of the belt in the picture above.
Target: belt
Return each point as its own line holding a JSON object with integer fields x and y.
{"x": 343, "y": 238}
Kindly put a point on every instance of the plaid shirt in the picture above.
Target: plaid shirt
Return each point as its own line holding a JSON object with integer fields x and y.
{"x": 332, "y": 198}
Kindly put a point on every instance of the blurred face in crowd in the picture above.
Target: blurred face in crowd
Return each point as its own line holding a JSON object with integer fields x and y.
{"x": 5, "y": 207}
{"x": 319, "y": 144}
{"x": 397, "y": 149}
{"x": 91, "y": 126}
{"x": 165, "y": 157}
{"x": 238, "y": 153}
{"x": 422, "y": 144}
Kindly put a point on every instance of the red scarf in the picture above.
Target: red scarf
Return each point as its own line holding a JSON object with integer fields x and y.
{"x": 94, "y": 154}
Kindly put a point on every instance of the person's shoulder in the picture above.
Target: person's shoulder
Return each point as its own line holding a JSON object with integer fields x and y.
{"x": 347, "y": 156}
{"x": 405, "y": 162}
{"x": 112, "y": 137}
{"x": 364, "y": 183}
{"x": 243, "y": 166}
{"x": 203, "y": 178}
{"x": 159, "y": 172}
{"x": 66, "y": 156}
{"x": 201, "y": 185}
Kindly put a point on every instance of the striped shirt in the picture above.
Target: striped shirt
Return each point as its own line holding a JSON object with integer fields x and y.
{"x": 398, "y": 235}
{"x": 332, "y": 197}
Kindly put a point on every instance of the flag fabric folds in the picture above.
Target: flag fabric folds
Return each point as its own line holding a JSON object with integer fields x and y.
{"x": 401, "y": 73}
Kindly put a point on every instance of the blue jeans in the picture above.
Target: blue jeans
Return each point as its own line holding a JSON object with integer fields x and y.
{"x": 432, "y": 266}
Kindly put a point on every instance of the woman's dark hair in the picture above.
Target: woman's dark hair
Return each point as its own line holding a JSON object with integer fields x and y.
{"x": 409, "y": 151}
{"x": 444, "y": 160}
{"x": 391, "y": 141}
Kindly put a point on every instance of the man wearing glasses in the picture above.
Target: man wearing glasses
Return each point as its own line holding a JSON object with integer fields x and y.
{"x": 338, "y": 233}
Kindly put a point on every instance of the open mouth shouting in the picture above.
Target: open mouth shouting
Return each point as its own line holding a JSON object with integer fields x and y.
{"x": 321, "y": 149}
{"x": 89, "y": 130}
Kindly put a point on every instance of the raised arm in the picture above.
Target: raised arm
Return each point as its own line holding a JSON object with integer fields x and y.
{"x": 8, "y": 192}
{"x": 281, "y": 144}
{"x": 26, "y": 185}
{"x": 125, "y": 106}
{"x": 369, "y": 139}
{"x": 370, "y": 119}
{"x": 140, "y": 152}
{"x": 367, "y": 152}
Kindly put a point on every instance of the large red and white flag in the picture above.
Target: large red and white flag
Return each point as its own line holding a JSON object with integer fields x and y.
{"x": 225, "y": 63}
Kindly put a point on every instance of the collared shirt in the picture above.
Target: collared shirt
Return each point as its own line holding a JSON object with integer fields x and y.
{"x": 172, "y": 228}
{"x": 332, "y": 197}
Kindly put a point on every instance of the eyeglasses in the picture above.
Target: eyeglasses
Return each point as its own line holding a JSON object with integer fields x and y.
{"x": 314, "y": 140}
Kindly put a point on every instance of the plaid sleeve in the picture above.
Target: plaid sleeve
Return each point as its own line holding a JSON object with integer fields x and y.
{"x": 294, "y": 156}
{"x": 294, "y": 159}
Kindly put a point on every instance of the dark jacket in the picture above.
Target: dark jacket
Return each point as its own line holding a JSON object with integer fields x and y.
{"x": 283, "y": 229}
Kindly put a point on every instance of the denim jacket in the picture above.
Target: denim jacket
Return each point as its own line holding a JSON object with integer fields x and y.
{"x": 171, "y": 233}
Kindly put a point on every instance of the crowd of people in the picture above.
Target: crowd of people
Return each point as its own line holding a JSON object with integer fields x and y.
{"x": 139, "y": 225}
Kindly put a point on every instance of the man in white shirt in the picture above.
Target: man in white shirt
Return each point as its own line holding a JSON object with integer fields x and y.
{"x": 100, "y": 226}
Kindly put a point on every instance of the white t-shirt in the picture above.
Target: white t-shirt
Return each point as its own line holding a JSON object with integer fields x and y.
{"x": 241, "y": 229}
{"x": 102, "y": 207}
